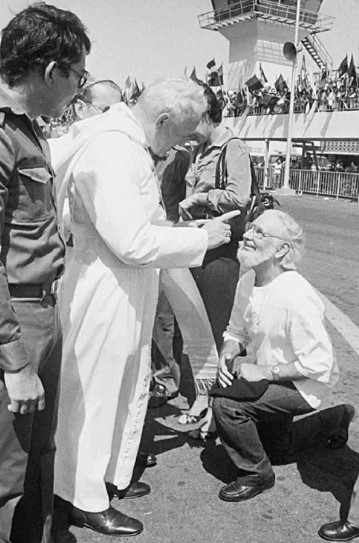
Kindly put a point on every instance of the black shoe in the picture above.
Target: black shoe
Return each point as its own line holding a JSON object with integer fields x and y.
{"x": 109, "y": 522}
{"x": 339, "y": 531}
{"x": 238, "y": 492}
{"x": 159, "y": 396}
{"x": 134, "y": 490}
{"x": 338, "y": 440}
{"x": 146, "y": 459}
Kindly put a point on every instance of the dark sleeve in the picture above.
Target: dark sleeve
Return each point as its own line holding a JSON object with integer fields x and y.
{"x": 174, "y": 184}
{"x": 237, "y": 191}
{"x": 12, "y": 351}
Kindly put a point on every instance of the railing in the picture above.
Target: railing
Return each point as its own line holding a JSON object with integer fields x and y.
{"x": 324, "y": 183}
{"x": 318, "y": 46}
{"x": 248, "y": 8}
{"x": 338, "y": 104}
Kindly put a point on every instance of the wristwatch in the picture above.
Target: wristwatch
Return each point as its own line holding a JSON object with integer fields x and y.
{"x": 275, "y": 372}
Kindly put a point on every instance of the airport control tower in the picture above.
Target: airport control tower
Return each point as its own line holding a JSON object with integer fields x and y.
{"x": 258, "y": 29}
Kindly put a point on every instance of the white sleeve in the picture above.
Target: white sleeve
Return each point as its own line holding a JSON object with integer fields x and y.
{"x": 310, "y": 341}
{"x": 237, "y": 329}
{"x": 110, "y": 178}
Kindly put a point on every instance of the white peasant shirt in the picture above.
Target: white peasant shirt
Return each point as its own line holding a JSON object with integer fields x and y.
{"x": 284, "y": 323}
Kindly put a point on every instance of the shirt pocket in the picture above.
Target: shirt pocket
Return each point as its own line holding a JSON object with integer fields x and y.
{"x": 34, "y": 198}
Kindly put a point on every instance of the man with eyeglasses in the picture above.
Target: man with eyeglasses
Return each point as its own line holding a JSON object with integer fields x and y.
{"x": 42, "y": 65}
{"x": 279, "y": 318}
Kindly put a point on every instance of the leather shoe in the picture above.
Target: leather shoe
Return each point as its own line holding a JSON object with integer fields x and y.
{"x": 146, "y": 459}
{"x": 238, "y": 492}
{"x": 339, "y": 531}
{"x": 108, "y": 522}
{"x": 137, "y": 489}
{"x": 159, "y": 396}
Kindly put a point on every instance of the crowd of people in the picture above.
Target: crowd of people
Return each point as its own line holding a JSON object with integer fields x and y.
{"x": 93, "y": 227}
{"x": 328, "y": 91}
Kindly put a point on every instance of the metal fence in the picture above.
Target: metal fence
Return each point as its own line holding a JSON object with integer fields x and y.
{"x": 324, "y": 183}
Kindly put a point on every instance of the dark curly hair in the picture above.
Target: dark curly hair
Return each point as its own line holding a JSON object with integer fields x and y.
{"x": 214, "y": 105}
{"x": 38, "y": 35}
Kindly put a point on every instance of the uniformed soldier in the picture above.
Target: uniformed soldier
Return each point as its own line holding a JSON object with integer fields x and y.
{"x": 42, "y": 65}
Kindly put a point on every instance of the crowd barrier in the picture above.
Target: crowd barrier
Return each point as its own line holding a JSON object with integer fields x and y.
{"x": 338, "y": 104}
{"x": 323, "y": 183}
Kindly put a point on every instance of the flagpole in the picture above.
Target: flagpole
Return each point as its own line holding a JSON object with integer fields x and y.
{"x": 286, "y": 190}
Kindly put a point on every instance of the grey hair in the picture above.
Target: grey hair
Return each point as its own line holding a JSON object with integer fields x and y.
{"x": 181, "y": 98}
{"x": 293, "y": 233}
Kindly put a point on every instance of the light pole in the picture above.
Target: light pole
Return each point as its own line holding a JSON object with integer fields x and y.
{"x": 285, "y": 190}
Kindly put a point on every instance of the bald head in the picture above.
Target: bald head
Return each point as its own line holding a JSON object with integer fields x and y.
{"x": 96, "y": 98}
{"x": 102, "y": 93}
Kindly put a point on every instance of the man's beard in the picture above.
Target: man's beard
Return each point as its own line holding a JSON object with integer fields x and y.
{"x": 250, "y": 258}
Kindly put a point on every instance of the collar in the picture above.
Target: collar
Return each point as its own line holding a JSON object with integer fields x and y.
{"x": 216, "y": 144}
{"x": 7, "y": 102}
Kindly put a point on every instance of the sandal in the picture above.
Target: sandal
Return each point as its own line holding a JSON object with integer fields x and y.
{"x": 207, "y": 430}
{"x": 202, "y": 435}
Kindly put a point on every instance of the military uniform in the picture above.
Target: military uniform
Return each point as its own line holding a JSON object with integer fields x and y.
{"x": 31, "y": 260}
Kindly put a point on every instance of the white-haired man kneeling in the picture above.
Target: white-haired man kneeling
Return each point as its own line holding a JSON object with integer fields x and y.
{"x": 280, "y": 314}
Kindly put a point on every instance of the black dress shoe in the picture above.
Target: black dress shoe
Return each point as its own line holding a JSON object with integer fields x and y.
{"x": 109, "y": 522}
{"x": 339, "y": 531}
{"x": 159, "y": 396}
{"x": 134, "y": 490}
{"x": 238, "y": 492}
{"x": 146, "y": 459}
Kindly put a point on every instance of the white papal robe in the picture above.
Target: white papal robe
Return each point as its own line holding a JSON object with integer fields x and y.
{"x": 108, "y": 300}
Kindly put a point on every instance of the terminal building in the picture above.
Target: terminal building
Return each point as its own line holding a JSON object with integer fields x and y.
{"x": 257, "y": 31}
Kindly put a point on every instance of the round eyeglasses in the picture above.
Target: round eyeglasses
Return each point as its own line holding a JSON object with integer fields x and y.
{"x": 82, "y": 76}
{"x": 259, "y": 233}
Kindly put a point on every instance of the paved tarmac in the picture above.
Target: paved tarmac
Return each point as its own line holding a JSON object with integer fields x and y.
{"x": 184, "y": 506}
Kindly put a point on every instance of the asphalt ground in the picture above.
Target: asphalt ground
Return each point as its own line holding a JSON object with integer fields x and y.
{"x": 183, "y": 506}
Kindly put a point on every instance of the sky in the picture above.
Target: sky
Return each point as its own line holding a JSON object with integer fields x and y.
{"x": 150, "y": 39}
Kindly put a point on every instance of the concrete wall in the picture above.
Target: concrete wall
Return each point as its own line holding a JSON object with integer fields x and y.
{"x": 338, "y": 125}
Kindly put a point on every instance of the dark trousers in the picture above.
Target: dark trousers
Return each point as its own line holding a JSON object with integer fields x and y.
{"x": 217, "y": 280}
{"x": 253, "y": 432}
{"x": 27, "y": 441}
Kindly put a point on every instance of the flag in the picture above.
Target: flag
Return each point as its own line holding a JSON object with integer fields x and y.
{"x": 262, "y": 74}
{"x": 136, "y": 92}
{"x": 269, "y": 100}
{"x": 213, "y": 79}
{"x": 322, "y": 81}
{"x": 211, "y": 64}
{"x": 220, "y": 74}
{"x": 193, "y": 74}
{"x": 352, "y": 73}
{"x": 128, "y": 82}
{"x": 241, "y": 100}
{"x": 280, "y": 84}
{"x": 239, "y": 97}
{"x": 303, "y": 76}
{"x": 254, "y": 84}
{"x": 343, "y": 67}
{"x": 128, "y": 90}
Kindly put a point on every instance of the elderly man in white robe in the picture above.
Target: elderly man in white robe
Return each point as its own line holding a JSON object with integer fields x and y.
{"x": 109, "y": 292}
